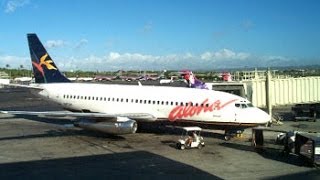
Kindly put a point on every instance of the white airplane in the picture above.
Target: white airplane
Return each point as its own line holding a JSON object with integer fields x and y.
{"x": 22, "y": 79}
{"x": 116, "y": 109}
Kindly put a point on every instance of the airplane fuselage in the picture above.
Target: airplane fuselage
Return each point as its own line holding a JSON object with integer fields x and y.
{"x": 164, "y": 103}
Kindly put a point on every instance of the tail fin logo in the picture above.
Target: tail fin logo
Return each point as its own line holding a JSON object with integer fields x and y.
{"x": 45, "y": 62}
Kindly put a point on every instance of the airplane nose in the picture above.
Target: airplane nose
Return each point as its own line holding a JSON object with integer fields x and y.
{"x": 265, "y": 117}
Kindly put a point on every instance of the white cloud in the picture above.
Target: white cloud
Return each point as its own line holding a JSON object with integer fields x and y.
{"x": 206, "y": 56}
{"x": 224, "y": 54}
{"x": 221, "y": 59}
{"x": 54, "y": 43}
{"x": 12, "y": 5}
{"x": 81, "y": 43}
{"x": 113, "y": 56}
{"x": 138, "y": 61}
{"x": 14, "y": 61}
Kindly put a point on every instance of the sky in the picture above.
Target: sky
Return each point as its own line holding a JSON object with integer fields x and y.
{"x": 111, "y": 35}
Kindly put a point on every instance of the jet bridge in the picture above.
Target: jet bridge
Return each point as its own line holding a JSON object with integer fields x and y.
{"x": 236, "y": 88}
{"x": 285, "y": 91}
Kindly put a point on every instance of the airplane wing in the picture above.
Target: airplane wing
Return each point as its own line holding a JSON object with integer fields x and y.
{"x": 135, "y": 116}
{"x": 23, "y": 86}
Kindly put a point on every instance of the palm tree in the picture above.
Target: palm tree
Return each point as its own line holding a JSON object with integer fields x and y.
{"x": 7, "y": 67}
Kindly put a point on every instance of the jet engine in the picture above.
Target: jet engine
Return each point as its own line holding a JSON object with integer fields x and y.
{"x": 123, "y": 125}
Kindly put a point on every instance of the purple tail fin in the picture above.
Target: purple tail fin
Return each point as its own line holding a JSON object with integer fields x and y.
{"x": 192, "y": 81}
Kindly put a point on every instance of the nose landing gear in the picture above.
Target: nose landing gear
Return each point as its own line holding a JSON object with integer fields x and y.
{"x": 233, "y": 133}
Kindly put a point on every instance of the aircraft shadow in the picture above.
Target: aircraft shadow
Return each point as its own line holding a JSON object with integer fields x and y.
{"x": 167, "y": 128}
{"x": 49, "y": 120}
{"x": 312, "y": 174}
{"x": 51, "y": 133}
{"x": 129, "y": 165}
{"x": 59, "y": 133}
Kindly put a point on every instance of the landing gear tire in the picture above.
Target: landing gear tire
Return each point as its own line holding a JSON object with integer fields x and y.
{"x": 227, "y": 137}
{"x": 178, "y": 146}
{"x": 182, "y": 147}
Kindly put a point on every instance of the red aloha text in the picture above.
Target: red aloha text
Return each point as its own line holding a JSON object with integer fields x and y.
{"x": 181, "y": 112}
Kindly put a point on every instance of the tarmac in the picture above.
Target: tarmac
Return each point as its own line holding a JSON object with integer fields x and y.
{"x": 49, "y": 148}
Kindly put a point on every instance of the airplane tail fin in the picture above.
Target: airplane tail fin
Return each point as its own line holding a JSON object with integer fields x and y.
{"x": 192, "y": 81}
{"x": 44, "y": 69}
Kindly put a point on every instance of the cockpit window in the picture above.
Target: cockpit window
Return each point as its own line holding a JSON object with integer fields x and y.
{"x": 243, "y": 105}
{"x": 250, "y": 105}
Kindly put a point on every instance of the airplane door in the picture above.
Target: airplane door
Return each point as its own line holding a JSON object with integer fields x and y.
{"x": 239, "y": 113}
{"x": 228, "y": 115}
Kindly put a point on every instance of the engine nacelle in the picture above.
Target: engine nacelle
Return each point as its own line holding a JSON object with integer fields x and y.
{"x": 119, "y": 127}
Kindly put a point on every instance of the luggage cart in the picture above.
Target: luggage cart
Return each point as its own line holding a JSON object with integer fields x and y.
{"x": 307, "y": 146}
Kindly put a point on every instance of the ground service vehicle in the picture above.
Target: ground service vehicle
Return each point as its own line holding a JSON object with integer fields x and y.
{"x": 190, "y": 138}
